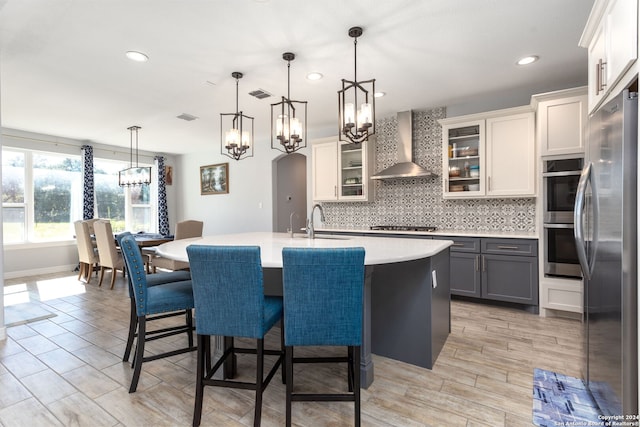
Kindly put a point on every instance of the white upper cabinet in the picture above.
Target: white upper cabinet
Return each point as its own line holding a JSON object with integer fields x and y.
{"x": 611, "y": 37}
{"x": 511, "y": 152}
{"x": 324, "y": 170}
{"x": 341, "y": 172}
{"x": 489, "y": 154}
{"x": 561, "y": 120}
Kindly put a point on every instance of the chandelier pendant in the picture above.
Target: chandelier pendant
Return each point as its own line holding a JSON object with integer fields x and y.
{"x": 288, "y": 118}
{"x": 134, "y": 175}
{"x": 356, "y": 121}
{"x": 237, "y": 140}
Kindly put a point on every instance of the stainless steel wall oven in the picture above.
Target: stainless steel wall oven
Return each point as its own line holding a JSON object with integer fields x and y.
{"x": 560, "y": 183}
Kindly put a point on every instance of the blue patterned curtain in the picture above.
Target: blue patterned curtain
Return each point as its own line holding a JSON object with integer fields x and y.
{"x": 163, "y": 214}
{"x": 87, "y": 187}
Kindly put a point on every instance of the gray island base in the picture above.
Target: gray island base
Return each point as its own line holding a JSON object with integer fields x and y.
{"x": 406, "y": 311}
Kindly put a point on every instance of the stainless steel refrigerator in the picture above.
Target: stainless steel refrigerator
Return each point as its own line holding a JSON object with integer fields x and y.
{"x": 606, "y": 239}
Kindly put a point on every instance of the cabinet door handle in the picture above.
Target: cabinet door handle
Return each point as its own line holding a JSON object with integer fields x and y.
{"x": 458, "y": 244}
{"x": 603, "y": 82}
{"x": 600, "y": 81}
{"x": 484, "y": 264}
{"x": 507, "y": 247}
{"x": 335, "y": 190}
{"x": 475, "y": 262}
{"x": 488, "y": 183}
{"x": 446, "y": 185}
{"x": 598, "y": 68}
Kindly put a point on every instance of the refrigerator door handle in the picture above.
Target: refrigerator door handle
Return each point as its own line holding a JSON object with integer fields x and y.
{"x": 578, "y": 220}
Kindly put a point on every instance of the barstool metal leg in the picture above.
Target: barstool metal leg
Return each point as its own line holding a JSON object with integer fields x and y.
{"x": 203, "y": 353}
{"x": 259, "y": 382}
{"x": 356, "y": 386}
{"x": 288, "y": 362}
{"x": 133, "y": 325}
{"x": 139, "y": 356}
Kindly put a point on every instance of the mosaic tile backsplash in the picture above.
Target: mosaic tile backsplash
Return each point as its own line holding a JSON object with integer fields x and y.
{"x": 419, "y": 201}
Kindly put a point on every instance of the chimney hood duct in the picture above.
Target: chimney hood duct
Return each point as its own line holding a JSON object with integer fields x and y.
{"x": 405, "y": 167}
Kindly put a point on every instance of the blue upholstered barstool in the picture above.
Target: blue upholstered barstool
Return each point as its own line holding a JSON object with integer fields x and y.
{"x": 229, "y": 299}
{"x": 323, "y": 292}
{"x": 161, "y": 299}
{"x": 153, "y": 280}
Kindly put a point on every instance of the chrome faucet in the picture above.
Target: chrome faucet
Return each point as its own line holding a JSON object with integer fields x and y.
{"x": 290, "y": 230}
{"x": 310, "y": 230}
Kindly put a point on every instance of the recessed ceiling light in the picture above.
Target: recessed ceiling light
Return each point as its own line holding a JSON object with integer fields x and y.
{"x": 379, "y": 94}
{"x": 137, "y": 56}
{"x": 527, "y": 60}
{"x": 314, "y": 76}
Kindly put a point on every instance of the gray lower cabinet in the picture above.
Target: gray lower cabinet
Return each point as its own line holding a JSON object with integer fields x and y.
{"x": 487, "y": 267}
{"x": 495, "y": 269}
{"x": 465, "y": 276}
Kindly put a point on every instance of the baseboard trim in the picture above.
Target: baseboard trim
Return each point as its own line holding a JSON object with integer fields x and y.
{"x": 37, "y": 271}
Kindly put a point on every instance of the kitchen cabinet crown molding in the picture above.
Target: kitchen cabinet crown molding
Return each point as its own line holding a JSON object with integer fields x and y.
{"x": 487, "y": 114}
{"x": 556, "y": 94}
{"x": 593, "y": 22}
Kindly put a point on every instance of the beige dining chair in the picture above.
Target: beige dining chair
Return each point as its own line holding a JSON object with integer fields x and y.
{"x": 184, "y": 230}
{"x": 87, "y": 252}
{"x": 110, "y": 258}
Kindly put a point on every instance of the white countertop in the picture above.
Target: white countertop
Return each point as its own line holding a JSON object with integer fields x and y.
{"x": 489, "y": 233}
{"x": 378, "y": 250}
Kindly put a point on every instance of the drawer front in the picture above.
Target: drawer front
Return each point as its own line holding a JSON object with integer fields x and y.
{"x": 523, "y": 247}
{"x": 462, "y": 244}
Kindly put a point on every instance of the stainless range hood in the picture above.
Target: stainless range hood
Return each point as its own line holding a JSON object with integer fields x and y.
{"x": 405, "y": 167}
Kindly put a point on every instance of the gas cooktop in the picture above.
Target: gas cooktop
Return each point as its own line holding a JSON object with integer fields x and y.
{"x": 403, "y": 227}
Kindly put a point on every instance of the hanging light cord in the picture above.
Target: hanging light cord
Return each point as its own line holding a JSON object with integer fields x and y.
{"x": 137, "y": 145}
{"x": 237, "y": 81}
{"x": 289, "y": 80}
{"x": 355, "y": 81}
{"x": 131, "y": 147}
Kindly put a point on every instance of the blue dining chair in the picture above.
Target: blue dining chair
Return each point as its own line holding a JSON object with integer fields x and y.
{"x": 159, "y": 300}
{"x": 228, "y": 291}
{"x": 153, "y": 280}
{"x": 323, "y": 293}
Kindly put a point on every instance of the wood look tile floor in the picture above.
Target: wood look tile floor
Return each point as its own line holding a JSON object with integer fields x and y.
{"x": 68, "y": 371}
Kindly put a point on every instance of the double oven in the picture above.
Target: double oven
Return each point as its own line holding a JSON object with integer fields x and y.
{"x": 560, "y": 183}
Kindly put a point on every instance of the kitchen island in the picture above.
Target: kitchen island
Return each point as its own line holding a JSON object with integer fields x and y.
{"x": 406, "y": 312}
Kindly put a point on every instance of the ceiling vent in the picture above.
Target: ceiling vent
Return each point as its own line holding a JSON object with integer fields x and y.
{"x": 260, "y": 93}
{"x": 187, "y": 117}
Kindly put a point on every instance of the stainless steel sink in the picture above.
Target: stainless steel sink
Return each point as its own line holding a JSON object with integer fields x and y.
{"x": 321, "y": 237}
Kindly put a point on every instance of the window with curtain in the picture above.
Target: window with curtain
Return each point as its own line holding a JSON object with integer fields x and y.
{"x": 128, "y": 208}
{"x": 42, "y": 197}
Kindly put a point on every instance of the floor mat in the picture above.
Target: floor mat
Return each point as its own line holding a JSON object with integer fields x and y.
{"x": 560, "y": 400}
{"x": 19, "y": 314}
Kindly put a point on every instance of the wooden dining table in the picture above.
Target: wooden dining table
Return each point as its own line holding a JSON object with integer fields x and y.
{"x": 145, "y": 240}
{"x": 148, "y": 240}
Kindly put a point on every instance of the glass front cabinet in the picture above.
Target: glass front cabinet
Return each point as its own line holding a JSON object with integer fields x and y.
{"x": 463, "y": 159}
{"x": 490, "y": 154}
{"x": 341, "y": 171}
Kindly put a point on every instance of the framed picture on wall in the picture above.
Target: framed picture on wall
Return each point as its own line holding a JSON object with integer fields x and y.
{"x": 214, "y": 179}
{"x": 168, "y": 175}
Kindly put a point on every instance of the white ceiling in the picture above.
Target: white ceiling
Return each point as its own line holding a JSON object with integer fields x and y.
{"x": 63, "y": 69}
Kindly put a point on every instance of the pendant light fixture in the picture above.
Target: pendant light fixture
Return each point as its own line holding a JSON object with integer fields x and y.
{"x": 288, "y": 118}
{"x": 134, "y": 175}
{"x": 356, "y": 126}
{"x": 237, "y": 140}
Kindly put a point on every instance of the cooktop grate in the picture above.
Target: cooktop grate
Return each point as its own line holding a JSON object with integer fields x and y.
{"x": 403, "y": 227}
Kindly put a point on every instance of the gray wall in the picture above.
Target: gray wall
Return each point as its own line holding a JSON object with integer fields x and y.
{"x": 419, "y": 201}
